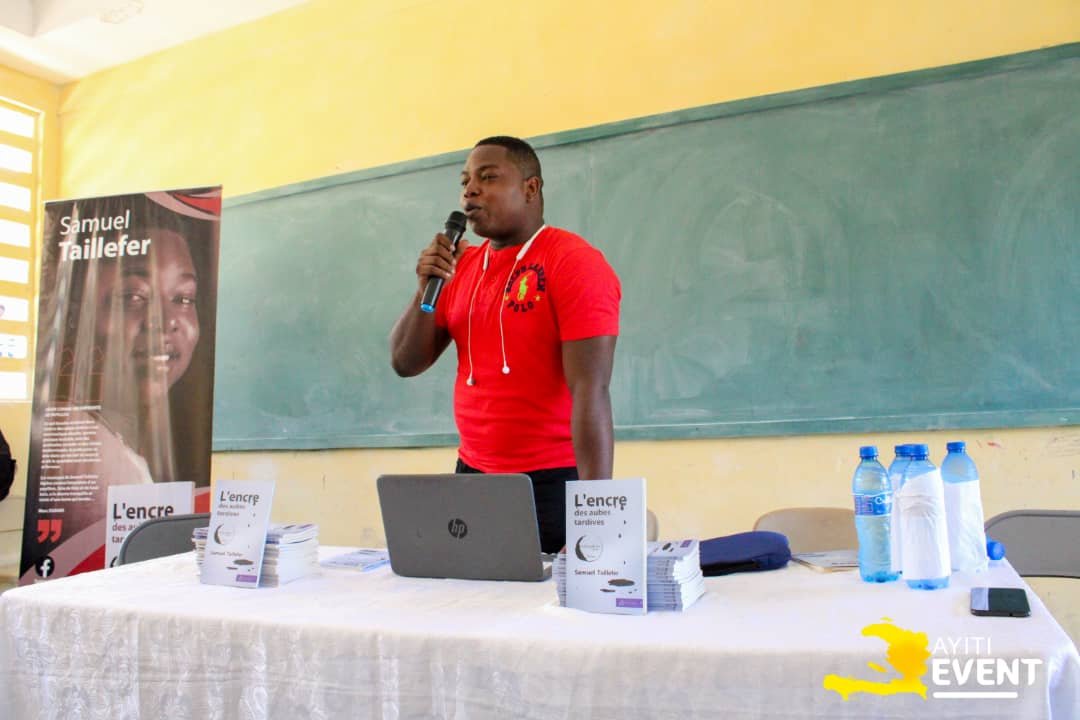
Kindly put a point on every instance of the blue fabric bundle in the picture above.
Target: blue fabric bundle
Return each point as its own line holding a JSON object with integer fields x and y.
{"x": 744, "y": 552}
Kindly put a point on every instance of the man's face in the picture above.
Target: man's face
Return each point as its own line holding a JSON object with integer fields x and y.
{"x": 493, "y": 193}
{"x": 149, "y": 301}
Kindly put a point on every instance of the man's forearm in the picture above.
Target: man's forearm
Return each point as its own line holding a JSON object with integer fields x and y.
{"x": 593, "y": 434}
{"x": 414, "y": 340}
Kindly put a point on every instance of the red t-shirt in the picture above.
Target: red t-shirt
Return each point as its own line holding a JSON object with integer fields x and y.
{"x": 562, "y": 289}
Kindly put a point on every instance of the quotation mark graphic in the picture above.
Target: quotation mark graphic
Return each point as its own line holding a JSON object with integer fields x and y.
{"x": 49, "y": 529}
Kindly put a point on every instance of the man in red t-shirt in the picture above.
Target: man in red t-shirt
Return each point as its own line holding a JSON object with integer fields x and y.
{"x": 534, "y": 314}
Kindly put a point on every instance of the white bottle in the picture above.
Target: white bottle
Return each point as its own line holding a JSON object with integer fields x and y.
{"x": 896, "y": 476}
{"x": 964, "y": 510}
{"x": 924, "y": 533}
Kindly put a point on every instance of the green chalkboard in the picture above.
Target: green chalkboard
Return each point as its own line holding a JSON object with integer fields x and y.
{"x": 895, "y": 253}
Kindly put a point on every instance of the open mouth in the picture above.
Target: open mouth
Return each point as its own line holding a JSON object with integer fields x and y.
{"x": 161, "y": 357}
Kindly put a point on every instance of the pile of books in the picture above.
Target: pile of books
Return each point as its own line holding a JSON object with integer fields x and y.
{"x": 292, "y": 552}
{"x": 674, "y": 580}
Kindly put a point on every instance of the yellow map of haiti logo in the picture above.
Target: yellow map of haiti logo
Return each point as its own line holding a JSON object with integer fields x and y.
{"x": 907, "y": 653}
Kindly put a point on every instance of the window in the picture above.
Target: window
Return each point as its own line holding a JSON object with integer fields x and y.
{"x": 20, "y": 200}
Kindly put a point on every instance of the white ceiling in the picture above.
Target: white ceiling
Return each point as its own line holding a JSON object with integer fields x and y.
{"x": 63, "y": 40}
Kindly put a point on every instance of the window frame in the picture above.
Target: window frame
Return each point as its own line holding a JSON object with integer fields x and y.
{"x": 32, "y": 219}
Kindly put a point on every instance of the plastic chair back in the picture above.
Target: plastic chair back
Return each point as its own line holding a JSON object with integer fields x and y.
{"x": 155, "y": 538}
{"x": 812, "y": 529}
{"x": 1039, "y": 543}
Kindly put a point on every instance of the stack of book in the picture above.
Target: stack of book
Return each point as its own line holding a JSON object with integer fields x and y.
{"x": 198, "y": 539}
{"x": 674, "y": 581}
{"x": 558, "y": 571}
{"x": 291, "y": 552}
{"x": 674, "y": 578}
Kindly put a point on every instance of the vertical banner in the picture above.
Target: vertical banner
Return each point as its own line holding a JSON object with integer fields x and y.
{"x": 124, "y": 374}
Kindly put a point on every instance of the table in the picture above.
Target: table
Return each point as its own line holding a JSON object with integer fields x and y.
{"x": 148, "y": 641}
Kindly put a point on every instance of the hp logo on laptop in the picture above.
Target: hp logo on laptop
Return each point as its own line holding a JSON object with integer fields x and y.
{"x": 458, "y": 528}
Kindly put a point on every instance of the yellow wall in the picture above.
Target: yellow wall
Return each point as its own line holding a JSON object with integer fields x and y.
{"x": 43, "y": 96}
{"x": 338, "y": 85}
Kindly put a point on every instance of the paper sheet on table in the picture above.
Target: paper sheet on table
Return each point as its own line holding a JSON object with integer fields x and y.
{"x": 363, "y": 560}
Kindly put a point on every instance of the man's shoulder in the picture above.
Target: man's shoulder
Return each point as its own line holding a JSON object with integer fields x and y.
{"x": 565, "y": 240}
{"x": 566, "y": 246}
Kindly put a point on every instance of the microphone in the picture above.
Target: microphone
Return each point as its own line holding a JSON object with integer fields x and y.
{"x": 455, "y": 228}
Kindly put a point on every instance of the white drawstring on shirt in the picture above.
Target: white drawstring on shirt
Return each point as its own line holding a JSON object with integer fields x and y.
{"x": 470, "y": 381}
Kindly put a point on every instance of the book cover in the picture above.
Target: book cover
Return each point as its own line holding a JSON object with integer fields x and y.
{"x": 130, "y": 506}
{"x": 236, "y": 536}
{"x": 606, "y": 546}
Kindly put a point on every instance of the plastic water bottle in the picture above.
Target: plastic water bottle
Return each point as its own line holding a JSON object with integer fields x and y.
{"x": 924, "y": 534}
{"x": 873, "y": 515}
{"x": 896, "y": 475}
{"x": 963, "y": 507}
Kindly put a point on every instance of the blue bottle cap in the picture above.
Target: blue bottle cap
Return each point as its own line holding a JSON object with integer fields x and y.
{"x": 994, "y": 549}
{"x": 955, "y": 446}
{"x": 920, "y": 451}
{"x": 903, "y": 450}
{"x": 868, "y": 451}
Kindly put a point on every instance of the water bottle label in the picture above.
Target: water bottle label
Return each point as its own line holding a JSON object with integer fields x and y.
{"x": 873, "y": 504}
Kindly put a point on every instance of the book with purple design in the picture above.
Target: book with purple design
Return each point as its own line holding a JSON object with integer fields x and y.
{"x": 605, "y": 546}
{"x": 236, "y": 537}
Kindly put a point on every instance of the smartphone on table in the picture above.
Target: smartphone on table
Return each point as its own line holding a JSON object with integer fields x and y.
{"x": 999, "y": 602}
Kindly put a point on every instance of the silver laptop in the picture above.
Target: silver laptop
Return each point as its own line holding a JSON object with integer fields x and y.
{"x": 472, "y": 527}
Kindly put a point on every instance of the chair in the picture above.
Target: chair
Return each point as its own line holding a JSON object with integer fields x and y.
{"x": 1039, "y": 543}
{"x": 812, "y": 529}
{"x": 155, "y": 538}
{"x": 1042, "y": 544}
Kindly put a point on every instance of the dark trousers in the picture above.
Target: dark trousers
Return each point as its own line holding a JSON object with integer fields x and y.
{"x": 549, "y": 493}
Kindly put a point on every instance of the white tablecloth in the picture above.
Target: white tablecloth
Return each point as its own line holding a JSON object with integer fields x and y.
{"x": 148, "y": 641}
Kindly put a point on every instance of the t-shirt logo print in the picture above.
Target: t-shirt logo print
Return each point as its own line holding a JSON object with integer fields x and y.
{"x": 526, "y": 288}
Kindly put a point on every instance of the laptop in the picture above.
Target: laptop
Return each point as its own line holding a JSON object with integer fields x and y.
{"x": 464, "y": 526}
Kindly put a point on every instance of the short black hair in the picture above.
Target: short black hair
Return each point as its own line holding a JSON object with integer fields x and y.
{"x": 520, "y": 152}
